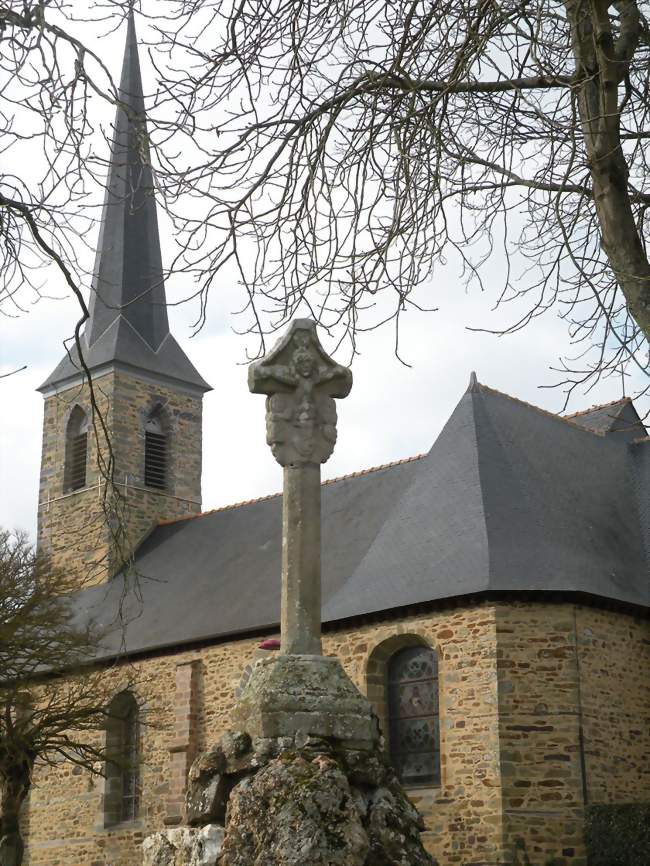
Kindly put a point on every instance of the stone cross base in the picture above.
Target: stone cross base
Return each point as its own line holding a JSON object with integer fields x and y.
{"x": 305, "y": 696}
{"x": 302, "y": 801}
{"x": 304, "y": 781}
{"x": 183, "y": 846}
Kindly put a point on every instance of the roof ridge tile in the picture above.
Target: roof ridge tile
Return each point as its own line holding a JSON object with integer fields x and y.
{"x": 566, "y": 419}
{"x": 598, "y": 407}
{"x": 231, "y": 506}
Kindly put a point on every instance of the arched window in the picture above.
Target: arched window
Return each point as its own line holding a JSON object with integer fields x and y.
{"x": 413, "y": 715}
{"x": 76, "y": 450}
{"x": 122, "y": 786}
{"x": 155, "y": 451}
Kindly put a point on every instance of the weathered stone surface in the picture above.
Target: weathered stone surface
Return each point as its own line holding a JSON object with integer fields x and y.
{"x": 300, "y": 607}
{"x": 183, "y": 847}
{"x": 302, "y": 810}
{"x": 307, "y": 695}
{"x": 299, "y": 801}
{"x": 393, "y": 828}
{"x": 207, "y": 788}
{"x": 300, "y": 380}
{"x": 295, "y": 812}
{"x": 236, "y": 748}
{"x": 366, "y": 768}
{"x": 234, "y": 744}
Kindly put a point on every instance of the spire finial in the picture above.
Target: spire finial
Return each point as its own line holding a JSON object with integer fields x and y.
{"x": 474, "y": 385}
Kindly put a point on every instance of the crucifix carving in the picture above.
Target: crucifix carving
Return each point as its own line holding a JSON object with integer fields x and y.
{"x": 300, "y": 381}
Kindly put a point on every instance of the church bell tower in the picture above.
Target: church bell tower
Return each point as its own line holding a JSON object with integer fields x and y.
{"x": 124, "y": 452}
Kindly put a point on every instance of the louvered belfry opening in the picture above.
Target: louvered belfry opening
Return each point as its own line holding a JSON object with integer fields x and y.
{"x": 76, "y": 450}
{"x": 155, "y": 454}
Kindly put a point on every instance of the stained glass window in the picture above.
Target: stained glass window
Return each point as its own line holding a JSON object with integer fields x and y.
{"x": 414, "y": 726}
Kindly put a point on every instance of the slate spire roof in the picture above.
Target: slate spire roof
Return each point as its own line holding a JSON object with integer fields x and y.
{"x": 510, "y": 499}
{"x": 128, "y": 323}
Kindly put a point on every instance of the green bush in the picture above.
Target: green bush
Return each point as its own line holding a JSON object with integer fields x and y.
{"x": 618, "y": 835}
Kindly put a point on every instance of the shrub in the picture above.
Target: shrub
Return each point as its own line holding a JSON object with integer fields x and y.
{"x": 618, "y": 835}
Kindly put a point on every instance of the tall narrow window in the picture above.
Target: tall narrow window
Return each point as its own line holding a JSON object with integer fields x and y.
{"x": 155, "y": 453}
{"x": 76, "y": 450}
{"x": 122, "y": 797}
{"x": 413, "y": 709}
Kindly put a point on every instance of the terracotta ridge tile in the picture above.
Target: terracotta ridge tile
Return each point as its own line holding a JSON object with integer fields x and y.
{"x": 373, "y": 469}
{"x": 233, "y": 505}
{"x": 599, "y": 406}
{"x": 566, "y": 419}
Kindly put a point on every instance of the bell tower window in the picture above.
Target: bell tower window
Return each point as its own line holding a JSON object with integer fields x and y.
{"x": 155, "y": 452}
{"x": 76, "y": 450}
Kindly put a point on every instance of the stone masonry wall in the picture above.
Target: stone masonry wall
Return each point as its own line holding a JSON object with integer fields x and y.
{"x": 614, "y": 658}
{"x": 539, "y": 734}
{"x": 573, "y": 697}
{"x": 91, "y": 531}
{"x": 515, "y": 660}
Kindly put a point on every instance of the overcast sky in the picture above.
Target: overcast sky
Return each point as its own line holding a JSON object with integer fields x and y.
{"x": 393, "y": 411}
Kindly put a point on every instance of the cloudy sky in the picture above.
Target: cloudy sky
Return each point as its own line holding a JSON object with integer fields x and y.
{"x": 393, "y": 411}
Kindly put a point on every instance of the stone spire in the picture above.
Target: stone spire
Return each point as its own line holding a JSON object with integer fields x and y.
{"x": 128, "y": 323}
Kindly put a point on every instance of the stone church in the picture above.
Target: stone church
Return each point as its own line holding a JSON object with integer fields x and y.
{"x": 490, "y": 597}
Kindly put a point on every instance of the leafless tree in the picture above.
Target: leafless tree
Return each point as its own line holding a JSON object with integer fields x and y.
{"x": 50, "y": 710}
{"x": 338, "y": 151}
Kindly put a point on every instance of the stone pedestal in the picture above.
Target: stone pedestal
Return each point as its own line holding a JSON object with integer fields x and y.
{"x": 304, "y": 780}
{"x": 305, "y": 696}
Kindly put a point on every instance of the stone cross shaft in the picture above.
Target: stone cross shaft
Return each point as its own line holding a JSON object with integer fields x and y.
{"x": 300, "y": 381}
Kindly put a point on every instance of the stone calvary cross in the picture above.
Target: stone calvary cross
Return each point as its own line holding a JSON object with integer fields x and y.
{"x": 301, "y": 779}
{"x": 300, "y": 381}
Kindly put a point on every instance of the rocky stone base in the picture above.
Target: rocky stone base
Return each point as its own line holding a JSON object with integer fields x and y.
{"x": 303, "y": 801}
{"x": 303, "y": 783}
{"x": 183, "y": 846}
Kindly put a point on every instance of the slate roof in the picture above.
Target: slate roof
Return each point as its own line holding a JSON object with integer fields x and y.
{"x": 618, "y": 417}
{"x": 128, "y": 324}
{"x": 508, "y": 499}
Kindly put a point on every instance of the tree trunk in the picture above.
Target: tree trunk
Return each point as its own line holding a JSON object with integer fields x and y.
{"x": 14, "y": 790}
{"x": 602, "y": 63}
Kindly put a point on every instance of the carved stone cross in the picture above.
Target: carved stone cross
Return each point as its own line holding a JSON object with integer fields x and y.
{"x": 300, "y": 381}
